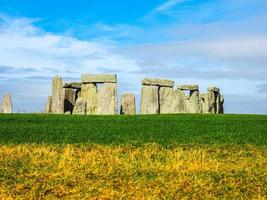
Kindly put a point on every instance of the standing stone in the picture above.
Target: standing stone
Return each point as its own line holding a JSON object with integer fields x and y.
{"x": 80, "y": 106}
{"x": 194, "y": 102}
{"x": 89, "y": 95}
{"x": 203, "y": 103}
{"x": 57, "y": 95}
{"x": 6, "y": 104}
{"x": 150, "y": 99}
{"x": 166, "y": 95}
{"x": 107, "y": 103}
{"x": 179, "y": 102}
{"x": 128, "y": 104}
{"x": 211, "y": 102}
{"x": 187, "y": 104}
{"x": 221, "y": 109}
{"x": 69, "y": 96}
{"x": 48, "y": 107}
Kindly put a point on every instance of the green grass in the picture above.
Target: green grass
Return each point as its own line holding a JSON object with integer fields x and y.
{"x": 166, "y": 130}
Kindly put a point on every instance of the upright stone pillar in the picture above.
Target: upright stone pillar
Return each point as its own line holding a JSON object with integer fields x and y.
{"x": 128, "y": 104}
{"x": 48, "y": 107}
{"x": 166, "y": 97}
{"x": 221, "y": 108}
{"x": 80, "y": 106}
{"x": 7, "y": 104}
{"x": 179, "y": 102}
{"x": 150, "y": 99}
{"x": 107, "y": 103}
{"x": 194, "y": 102}
{"x": 89, "y": 95}
{"x": 57, "y": 95}
{"x": 212, "y": 99}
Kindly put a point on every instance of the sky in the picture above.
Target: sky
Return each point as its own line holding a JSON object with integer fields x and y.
{"x": 207, "y": 42}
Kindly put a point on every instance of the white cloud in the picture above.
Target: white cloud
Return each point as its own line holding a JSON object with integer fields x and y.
{"x": 168, "y": 5}
{"x": 24, "y": 45}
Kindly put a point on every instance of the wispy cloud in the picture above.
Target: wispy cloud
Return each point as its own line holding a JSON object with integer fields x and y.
{"x": 168, "y": 5}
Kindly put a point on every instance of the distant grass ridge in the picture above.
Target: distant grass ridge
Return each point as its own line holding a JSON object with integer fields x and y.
{"x": 165, "y": 130}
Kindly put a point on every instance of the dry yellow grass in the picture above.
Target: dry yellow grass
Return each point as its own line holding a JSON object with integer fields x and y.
{"x": 127, "y": 172}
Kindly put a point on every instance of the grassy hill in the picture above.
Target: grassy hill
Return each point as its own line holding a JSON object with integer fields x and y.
{"x": 133, "y": 157}
{"x": 167, "y": 130}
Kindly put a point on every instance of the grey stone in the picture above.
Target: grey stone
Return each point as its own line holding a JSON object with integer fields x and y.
{"x": 221, "y": 108}
{"x": 166, "y": 97}
{"x": 211, "y": 101}
{"x": 204, "y": 103}
{"x": 179, "y": 102}
{"x": 48, "y": 107}
{"x": 194, "y": 105}
{"x": 89, "y": 95}
{"x": 150, "y": 100}
{"x": 6, "y": 104}
{"x": 157, "y": 82}
{"x": 80, "y": 106}
{"x": 57, "y": 95}
{"x": 128, "y": 104}
{"x": 73, "y": 85}
{"x": 99, "y": 78}
{"x": 107, "y": 103}
{"x": 187, "y": 87}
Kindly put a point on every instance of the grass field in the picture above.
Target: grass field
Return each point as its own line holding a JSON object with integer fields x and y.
{"x": 133, "y": 157}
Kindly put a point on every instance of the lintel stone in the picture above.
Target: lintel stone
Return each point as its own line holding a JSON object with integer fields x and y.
{"x": 187, "y": 87}
{"x": 99, "y": 78}
{"x": 157, "y": 82}
{"x": 73, "y": 85}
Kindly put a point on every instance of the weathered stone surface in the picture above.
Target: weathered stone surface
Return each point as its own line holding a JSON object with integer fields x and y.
{"x": 128, "y": 104}
{"x": 149, "y": 100}
{"x": 187, "y": 87}
{"x": 211, "y": 101}
{"x": 89, "y": 95}
{"x": 157, "y": 82}
{"x": 214, "y": 89}
{"x": 69, "y": 96}
{"x": 67, "y": 113}
{"x": 193, "y": 105}
{"x": 187, "y": 104}
{"x": 80, "y": 106}
{"x": 57, "y": 95}
{"x": 73, "y": 85}
{"x": 99, "y": 78}
{"x": 166, "y": 97}
{"x": 6, "y": 104}
{"x": 48, "y": 107}
{"x": 107, "y": 103}
{"x": 221, "y": 108}
{"x": 179, "y": 102}
{"x": 204, "y": 103}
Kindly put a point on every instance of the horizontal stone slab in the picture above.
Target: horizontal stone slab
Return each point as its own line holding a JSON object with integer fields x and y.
{"x": 187, "y": 87}
{"x": 158, "y": 82}
{"x": 214, "y": 89}
{"x": 74, "y": 85}
{"x": 99, "y": 78}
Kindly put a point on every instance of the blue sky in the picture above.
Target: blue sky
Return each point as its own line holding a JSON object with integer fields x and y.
{"x": 209, "y": 42}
